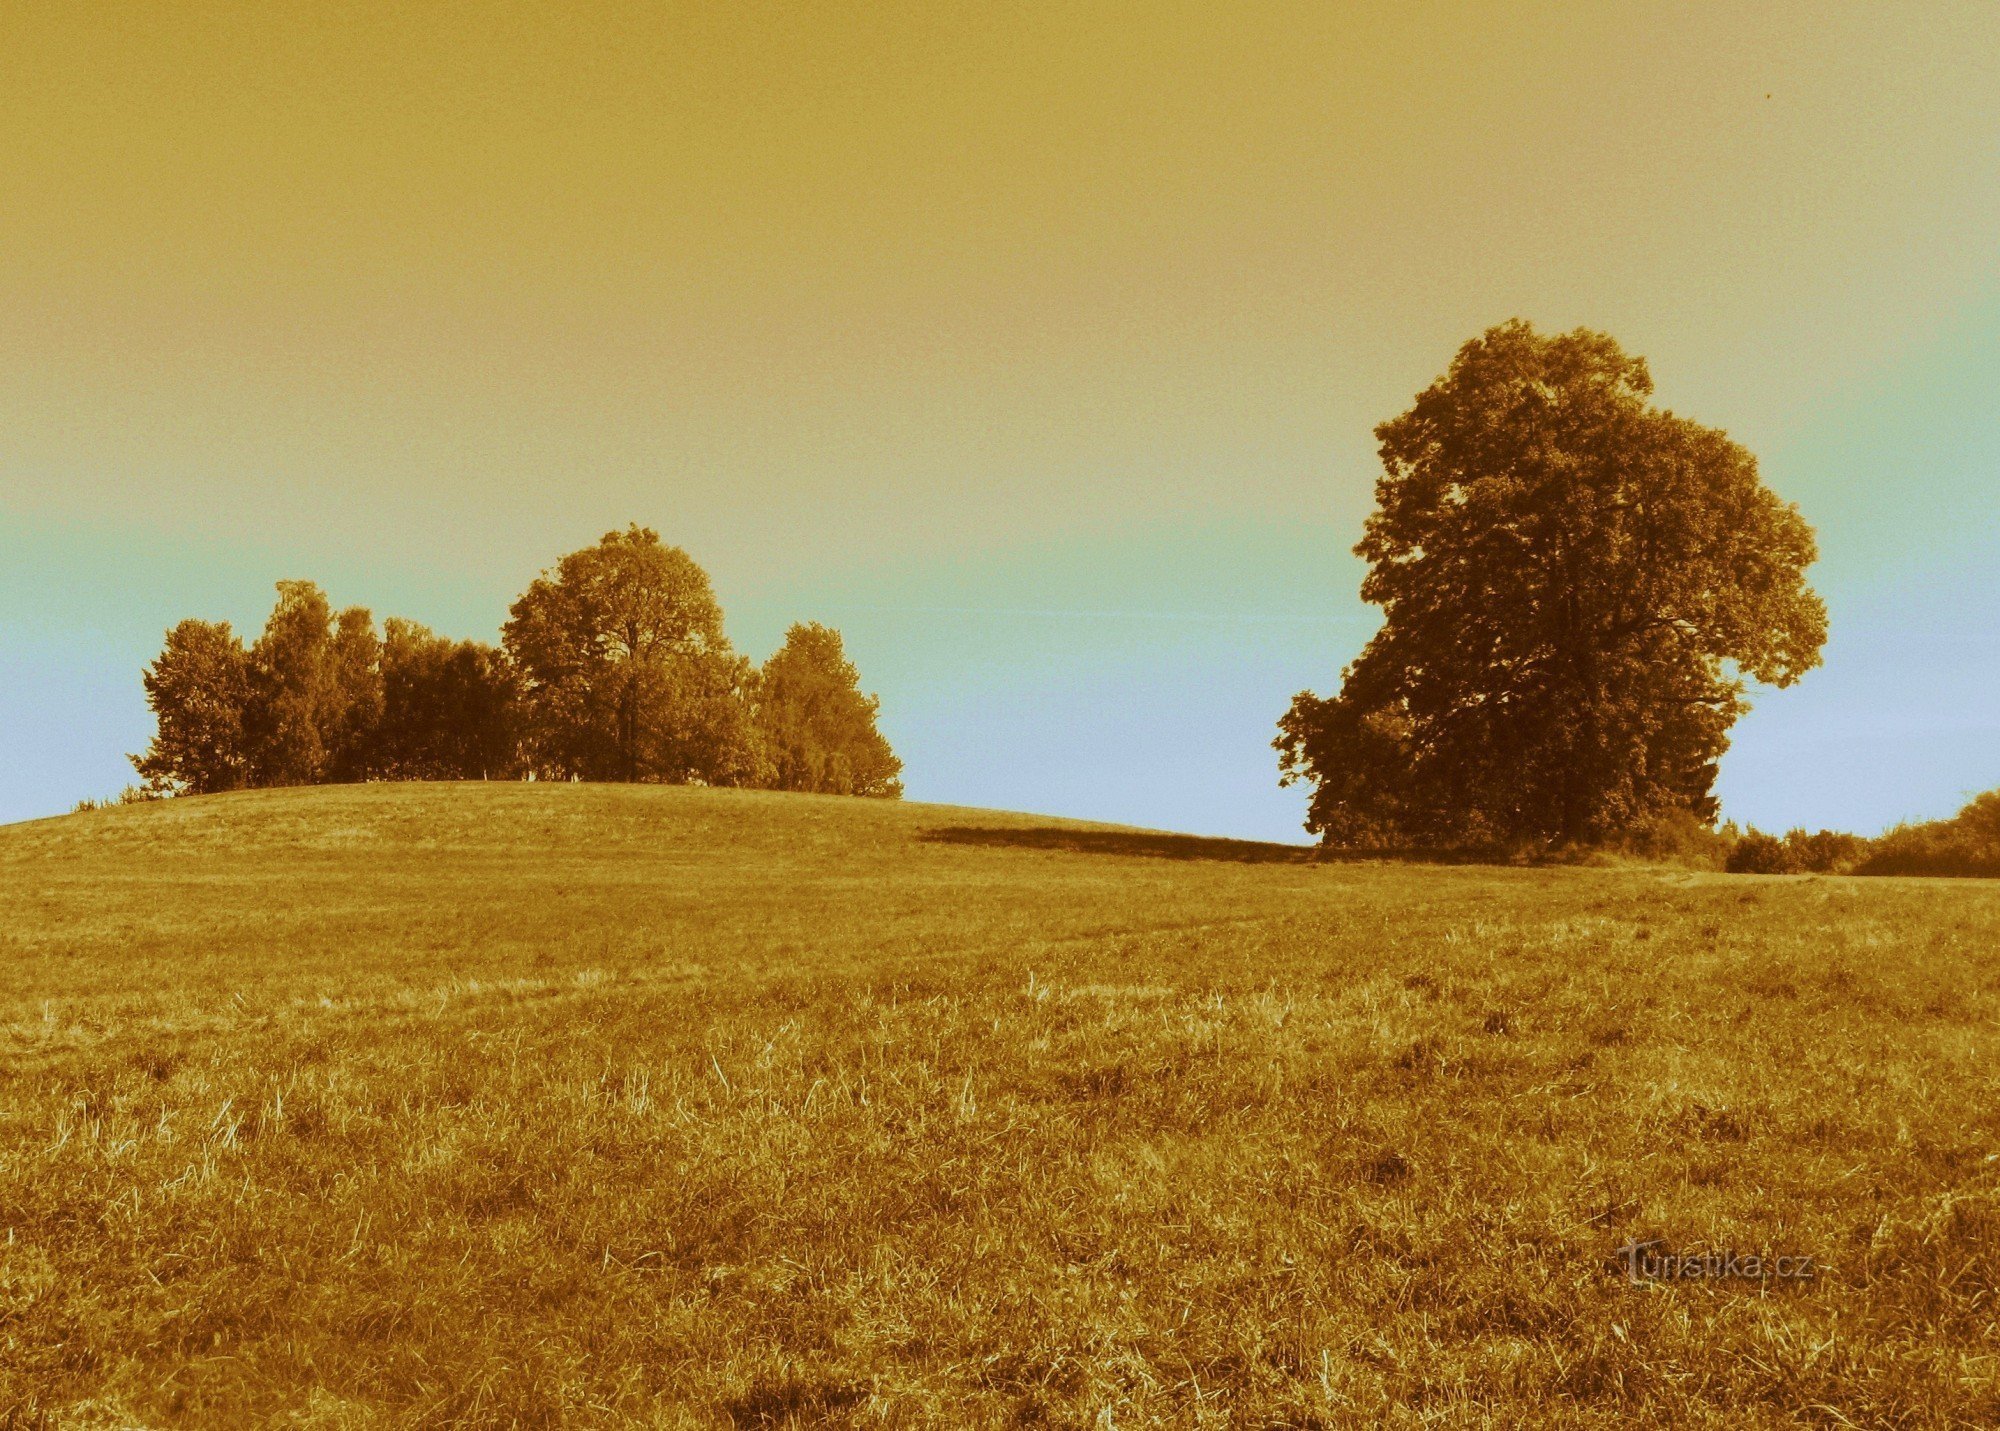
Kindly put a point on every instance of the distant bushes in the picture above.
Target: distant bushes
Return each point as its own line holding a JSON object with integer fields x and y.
{"x": 1683, "y": 838}
{"x": 130, "y": 795}
{"x": 1966, "y": 844}
{"x": 1795, "y": 852}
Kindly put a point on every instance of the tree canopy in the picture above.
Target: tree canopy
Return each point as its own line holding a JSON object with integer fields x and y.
{"x": 614, "y": 667}
{"x": 625, "y": 673}
{"x": 447, "y": 707}
{"x": 815, "y": 729}
{"x": 197, "y": 688}
{"x": 1575, "y": 585}
{"x": 315, "y": 691}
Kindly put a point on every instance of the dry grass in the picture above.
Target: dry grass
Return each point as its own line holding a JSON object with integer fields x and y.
{"x": 515, "y": 1105}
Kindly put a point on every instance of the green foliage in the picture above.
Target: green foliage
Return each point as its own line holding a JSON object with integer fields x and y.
{"x": 1575, "y": 585}
{"x": 1759, "y": 853}
{"x": 1826, "y": 851}
{"x": 447, "y": 708}
{"x": 815, "y": 729}
{"x": 615, "y": 668}
{"x": 624, "y": 671}
{"x": 1966, "y": 844}
{"x": 198, "y": 688}
{"x": 1680, "y": 837}
{"x": 315, "y": 691}
{"x": 319, "y": 699}
{"x": 1798, "y": 852}
{"x": 354, "y": 685}
{"x": 130, "y": 795}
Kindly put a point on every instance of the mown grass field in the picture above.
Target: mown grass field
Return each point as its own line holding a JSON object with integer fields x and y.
{"x": 490, "y": 1105}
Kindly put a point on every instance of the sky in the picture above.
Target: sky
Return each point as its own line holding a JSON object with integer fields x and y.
{"x": 1035, "y": 346}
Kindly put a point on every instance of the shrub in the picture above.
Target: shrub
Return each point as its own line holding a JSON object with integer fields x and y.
{"x": 1759, "y": 853}
{"x": 1827, "y": 851}
{"x": 1680, "y": 837}
{"x": 1968, "y": 844}
{"x": 1798, "y": 852}
{"x": 130, "y": 795}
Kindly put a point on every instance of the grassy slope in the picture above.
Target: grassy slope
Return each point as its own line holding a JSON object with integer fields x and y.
{"x": 588, "y": 1104}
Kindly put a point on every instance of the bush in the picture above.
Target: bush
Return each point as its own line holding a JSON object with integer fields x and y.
{"x": 1759, "y": 853}
{"x": 1827, "y": 852}
{"x": 1680, "y": 837}
{"x": 1823, "y": 852}
{"x": 130, "y": 795}
{"x": 1968, "y": 844}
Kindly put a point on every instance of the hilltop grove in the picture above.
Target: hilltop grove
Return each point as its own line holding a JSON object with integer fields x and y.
{"x": 613, "y": 665}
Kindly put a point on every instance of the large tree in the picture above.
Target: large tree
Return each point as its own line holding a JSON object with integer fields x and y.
{"x": 815, "y": 728}
{"x": 625, "y": 673}
{"x": 1575, "y": 585}
{"x": 197, "y": 689}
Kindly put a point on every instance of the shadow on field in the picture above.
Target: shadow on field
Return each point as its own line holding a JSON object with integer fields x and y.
{"x": 1145, "y": 844}
{"x": 1119, "y": 842}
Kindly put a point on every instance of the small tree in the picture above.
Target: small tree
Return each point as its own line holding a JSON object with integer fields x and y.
{"x": 354, "y": 686}
{"x": 315, "y": 691}
{"x": 197, "y": 688}
{"x": 625, "y": 673}
{"x": 815, "y": 727}
{"x": 1574, "y": 586}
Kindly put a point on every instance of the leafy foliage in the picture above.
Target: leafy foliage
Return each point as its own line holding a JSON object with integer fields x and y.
{"x": 625, "y": 673}
{"x": 815, "y": 728}
{"x": 197, "y": 688}
{"x": 1679, "y": 837}
{"x": 1823, "y": 852}
{"x": 1966, "y": 844}
{"x": 321, "y": 699}
{"x": 615, "y": 667}
{"x": 1574, "y": 585}
{"x": 446, "y": 707}
{"x": 315, "y": 691}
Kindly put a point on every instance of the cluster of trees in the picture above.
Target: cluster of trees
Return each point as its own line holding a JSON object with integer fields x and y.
{"x": 612, "y": 666}
{"x": 1575, "y": 587}
{"x": 304, "y": 704}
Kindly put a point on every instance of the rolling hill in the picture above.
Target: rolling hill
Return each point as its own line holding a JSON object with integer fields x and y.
{"x": 563, "y": 1104}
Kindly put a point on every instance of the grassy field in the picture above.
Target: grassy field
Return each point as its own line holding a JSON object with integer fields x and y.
{"x": 440, "y": 1105}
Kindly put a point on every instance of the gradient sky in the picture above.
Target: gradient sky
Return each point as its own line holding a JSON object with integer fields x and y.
{"x": 1036, "y": 346}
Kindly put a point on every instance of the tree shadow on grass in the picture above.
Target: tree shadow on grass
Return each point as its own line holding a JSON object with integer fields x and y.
{"x": 1156, "y": 845}
{"x": 1134, "y": 843}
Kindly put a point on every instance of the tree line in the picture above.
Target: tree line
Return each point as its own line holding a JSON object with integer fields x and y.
{"x": 1577, "y": 589}
{"x": 612, "y": 665}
